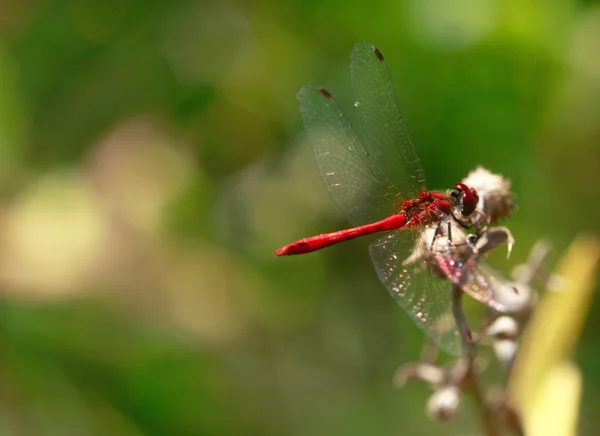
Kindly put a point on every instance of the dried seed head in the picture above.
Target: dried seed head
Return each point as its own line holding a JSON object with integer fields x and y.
{"x": 504, "y": 332}
{"x": 444, "y": 403}
{"x": 505, "y": 350}
{"x": 495, "y": 237}
{"x": 504, "y": 327}
{"x": 433, "y": 375}
{"x": 494, "y": 193}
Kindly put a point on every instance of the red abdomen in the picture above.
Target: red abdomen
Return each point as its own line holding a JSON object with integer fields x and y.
{"x": 325, "y": 240}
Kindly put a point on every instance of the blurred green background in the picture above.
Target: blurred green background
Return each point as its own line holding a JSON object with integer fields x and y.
{"x": 152, "y": 158}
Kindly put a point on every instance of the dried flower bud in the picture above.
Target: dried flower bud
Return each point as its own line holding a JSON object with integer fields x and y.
{"x": 504, "y": 332}
{"x": 493, "y": 238}
{"x": 505, "y": 350}
{"x": 444, "y": 403}
{"x": 494, "y": 193}
{"x": 504, "y": 327}
{"x": 431, "y": 374}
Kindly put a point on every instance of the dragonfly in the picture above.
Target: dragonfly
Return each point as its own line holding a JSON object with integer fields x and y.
{"x": 373, "y": 174}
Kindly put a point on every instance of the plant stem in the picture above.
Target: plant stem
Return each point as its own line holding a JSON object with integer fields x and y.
{"x": 471, "y": 380}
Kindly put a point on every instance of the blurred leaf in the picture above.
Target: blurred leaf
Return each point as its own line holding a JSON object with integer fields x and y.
{"x": 548, "y": 343}
{"x": 12, "y": 122}
{"x": 556, "y": 407}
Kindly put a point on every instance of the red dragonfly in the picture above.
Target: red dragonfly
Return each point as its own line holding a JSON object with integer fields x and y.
{"x": 374, "y": 176}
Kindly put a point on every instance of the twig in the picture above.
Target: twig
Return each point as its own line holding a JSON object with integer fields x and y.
{"x": 463, "y": 327}
{"x": 471, "y": 380}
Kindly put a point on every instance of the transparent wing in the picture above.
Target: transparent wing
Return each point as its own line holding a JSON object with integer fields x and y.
{"x": 381, "y": 126}
{"x": 458, "y": 259}
{"x": 477, "y": 277}
{"x": 406, "y": 273}
{"x": 352, "y": 176}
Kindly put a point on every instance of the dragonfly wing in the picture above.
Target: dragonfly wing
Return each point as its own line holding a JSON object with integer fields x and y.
{"x": 381, "y": 126}
{"x": 463, "y": 264}
{"x": 424, "y": 296}
{"x": 349, "y": 171}
{"x": 477, "y": 277}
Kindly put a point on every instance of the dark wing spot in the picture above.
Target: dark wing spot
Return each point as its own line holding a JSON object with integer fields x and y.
{"x": 378, "y": 53}
{"x": 325, "y": 93}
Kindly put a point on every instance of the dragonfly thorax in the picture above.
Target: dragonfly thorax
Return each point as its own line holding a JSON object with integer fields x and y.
{"x": 430, "y": 207}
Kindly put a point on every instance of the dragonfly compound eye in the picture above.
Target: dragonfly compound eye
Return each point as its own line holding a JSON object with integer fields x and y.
{"x": 469, "y": 198}
{"x": 455, "y": 195}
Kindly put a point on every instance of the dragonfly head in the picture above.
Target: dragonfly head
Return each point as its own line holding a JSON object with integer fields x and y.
{"x": 466, "y": 197}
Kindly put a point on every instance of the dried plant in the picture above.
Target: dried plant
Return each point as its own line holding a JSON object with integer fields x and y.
{"x": 532, "y": 342}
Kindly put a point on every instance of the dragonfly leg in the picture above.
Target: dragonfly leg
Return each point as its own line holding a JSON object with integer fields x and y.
{"x": 438, "y": 233}
{"x": 477, "y": 220}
